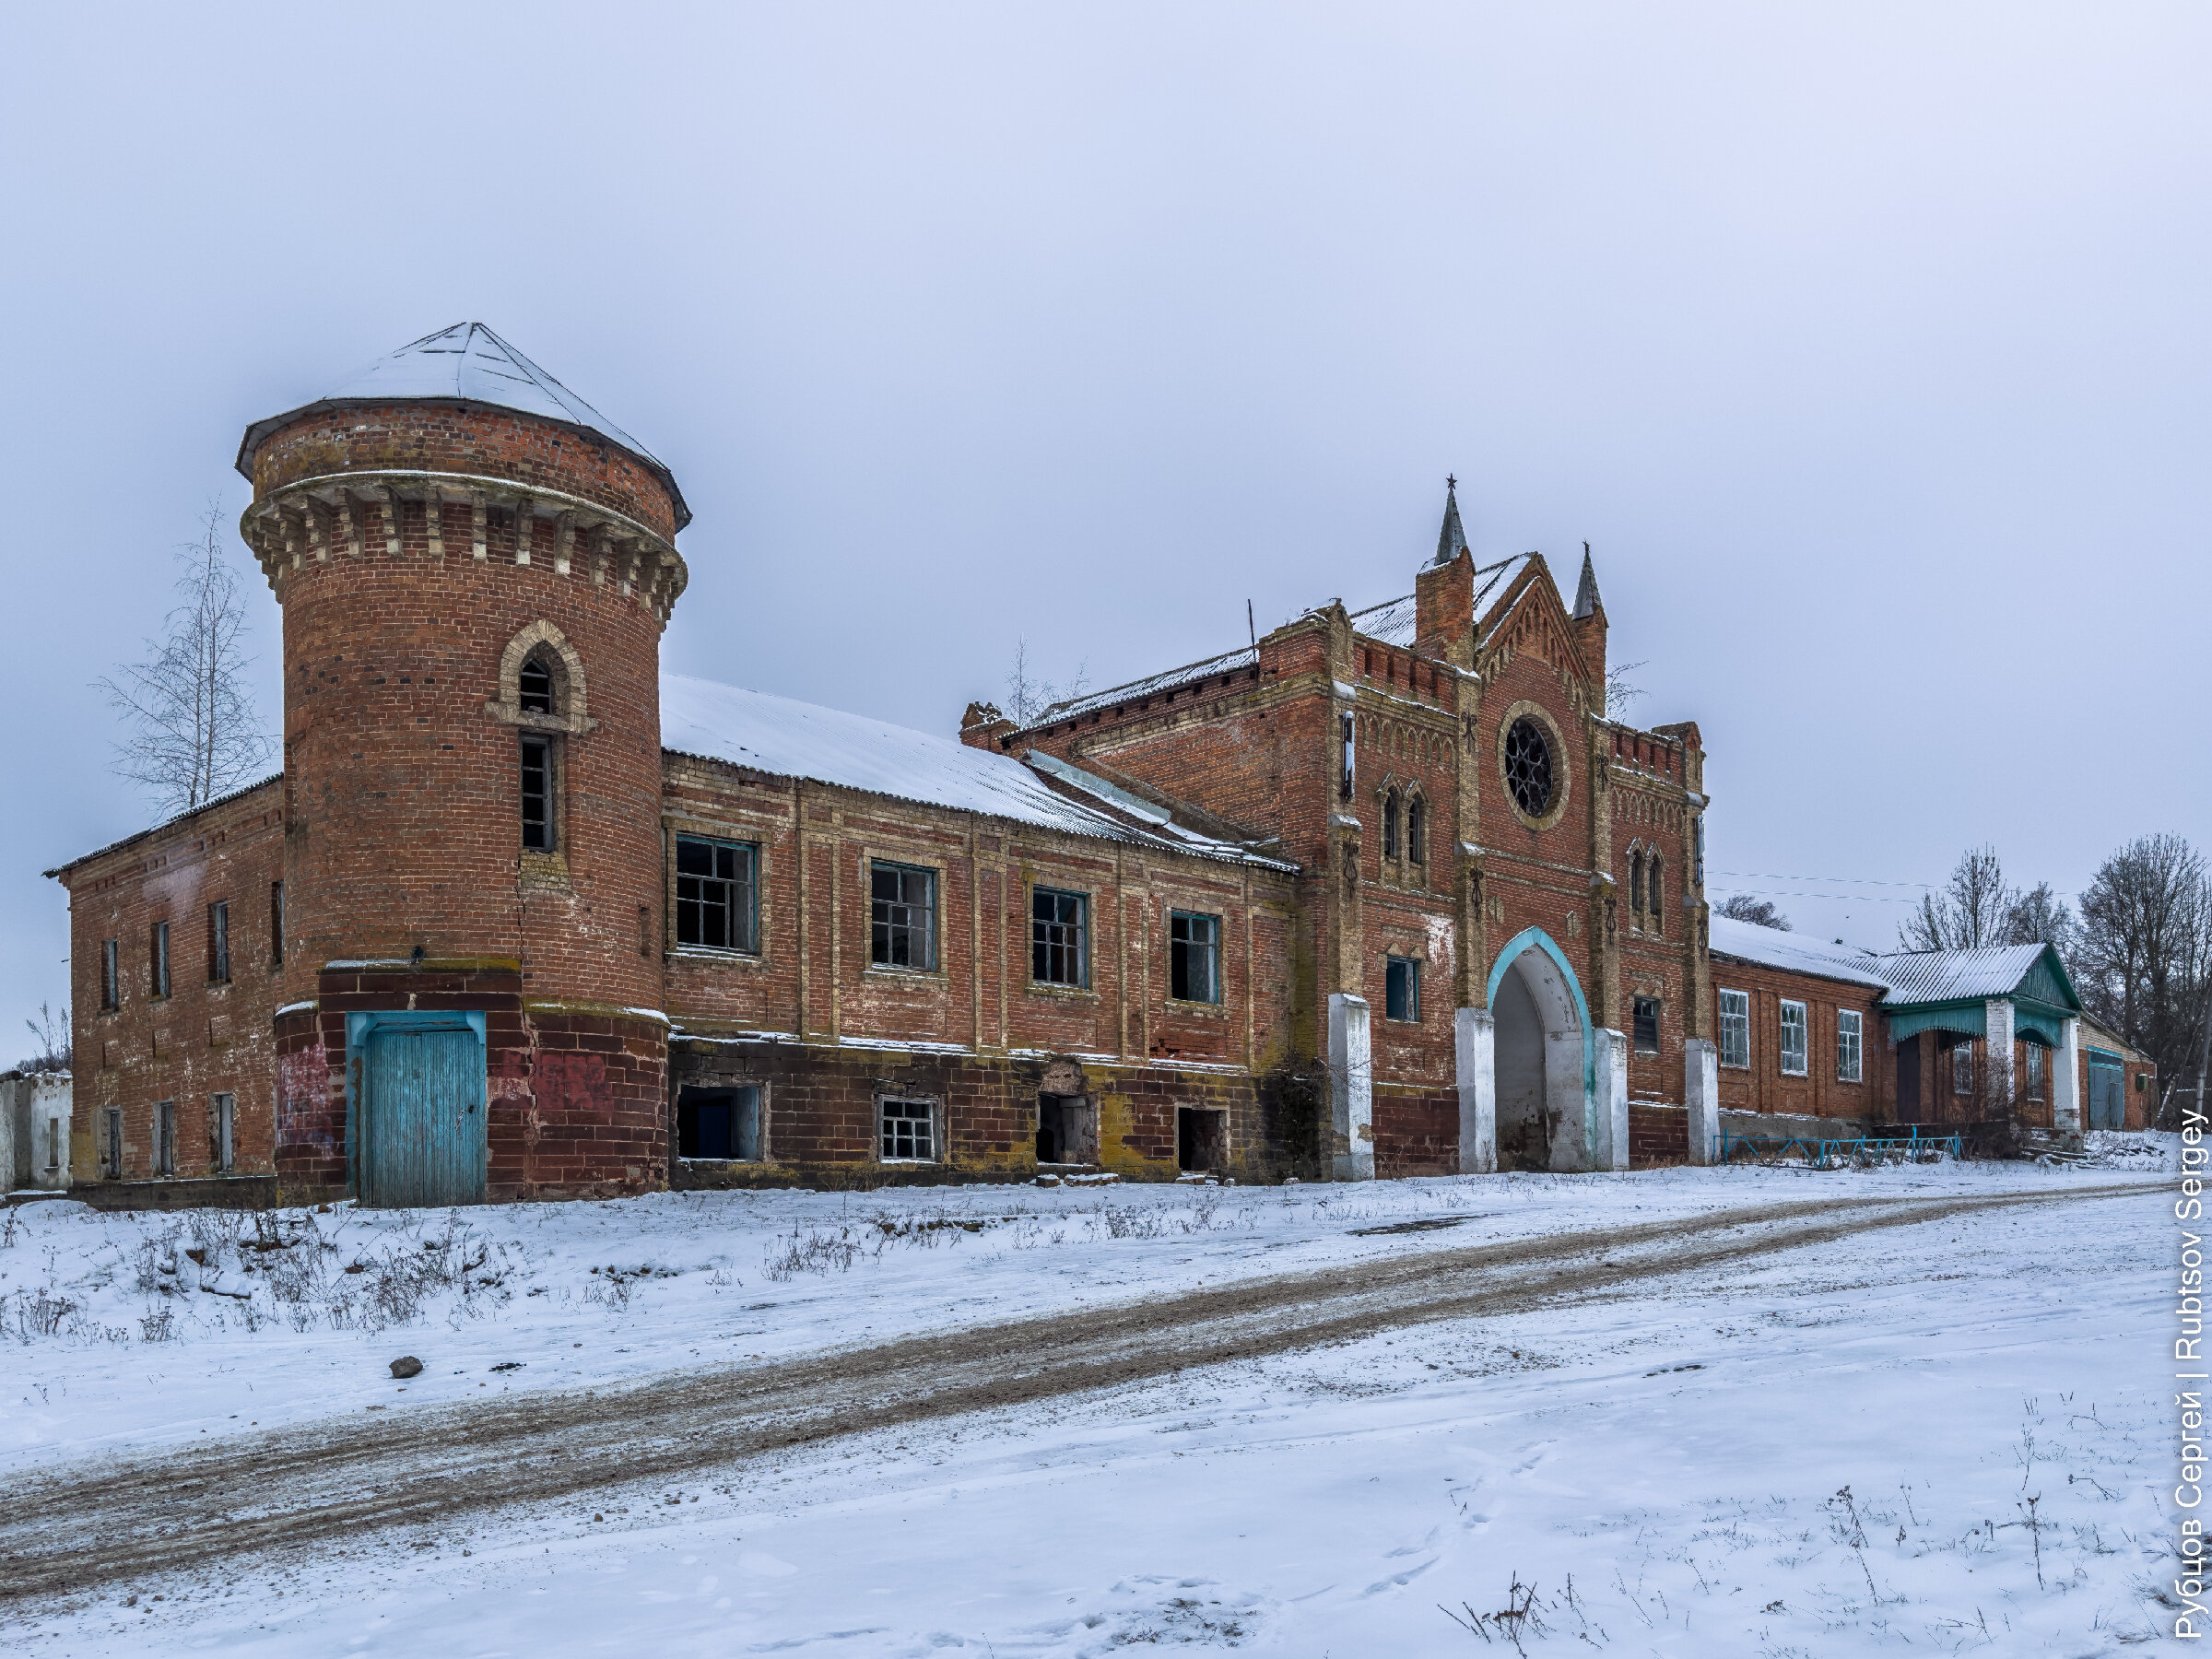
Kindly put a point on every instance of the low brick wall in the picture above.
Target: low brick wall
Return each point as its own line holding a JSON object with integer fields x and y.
{"x": 1658, "y": 1135}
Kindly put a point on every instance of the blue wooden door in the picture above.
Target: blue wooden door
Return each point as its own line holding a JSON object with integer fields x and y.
{"x": 423, "y": 1119}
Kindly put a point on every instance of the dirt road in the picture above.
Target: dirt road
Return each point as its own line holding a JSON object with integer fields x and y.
{"x": 343, "y": 1477}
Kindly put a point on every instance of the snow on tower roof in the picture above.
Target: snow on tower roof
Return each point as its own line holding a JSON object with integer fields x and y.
{"x": 791, "y": 739}
{"x": 468, "y": 363}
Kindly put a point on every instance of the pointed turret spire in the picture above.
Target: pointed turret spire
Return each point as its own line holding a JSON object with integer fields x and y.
{"x": 1585, "y": 595}
{"x": 1451, "y": 540}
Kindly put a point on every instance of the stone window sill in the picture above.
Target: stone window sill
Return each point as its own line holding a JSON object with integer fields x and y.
{"x": 1067, "y": 993}
{"x": 912, "y": 979}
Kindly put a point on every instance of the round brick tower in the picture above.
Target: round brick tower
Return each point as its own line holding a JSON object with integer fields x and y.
{"x": 475, "y": 568}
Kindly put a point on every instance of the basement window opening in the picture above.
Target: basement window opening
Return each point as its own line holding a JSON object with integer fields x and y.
{"x": 1067, "y": 1130}
{"x": 908, "y": 1128}
{"x": 1201, "y": 1139}
{"x": 719, "y": 1125}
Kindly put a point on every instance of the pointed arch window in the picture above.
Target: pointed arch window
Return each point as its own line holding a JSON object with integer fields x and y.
{"x": 1650, "y": 893}
{"x": 1636, "y": 885}
{"x": 1417, "y": 830}
{"x": 1390, "y": 823}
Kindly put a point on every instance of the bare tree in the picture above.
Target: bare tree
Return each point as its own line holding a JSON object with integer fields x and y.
{"x": 1970, "y": 910}
{"x": 1743, "y": 907}
{"x": 2144, "y": 955}
{"x": 2040, "y": 916}
{"x": 1620, "y": 691}
{"x": 1028, "y": 693}
{"x": 192, "y": 731}
{"x": 51, "y": 1030}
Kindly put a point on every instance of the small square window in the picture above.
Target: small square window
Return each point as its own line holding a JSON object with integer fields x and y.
{"x": 1735, "y": 1027}
{"x": 1059, "y": 947}
{"x": 1194, "y": 957}
{"x": 1646, "y": 1015}
{"x": 1402, "y": 988}
{"x": 902, "y": 911}
{"x": 717, "y": 898}
{"x": 1793, "y": 1039}
{"x": 1850, "y": 1045}
{"x": 907, "y": 1136}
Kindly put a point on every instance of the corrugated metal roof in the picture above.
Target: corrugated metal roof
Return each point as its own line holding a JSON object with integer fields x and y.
{"x": 1773, "y": 949}
{"x": 1168, "y": 680}
{"x": 792, "y": 740}
{"x": 468, "y": 363}
{"x": 1918, "y": 976}
{"x": 222, "y": 800}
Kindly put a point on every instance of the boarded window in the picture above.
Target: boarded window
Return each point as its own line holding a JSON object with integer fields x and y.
{"x": 1735, "y": 1027}
{"x": 717, "y": 902}
{"x": 1850, "y": 1045}
{"x": 1059, "y": 941}
{"x": 538, "y": 794}
{"x": 1793, "y": 1038}
{"x": 1194, "y": 957}
{"x": 719, "y": 1125}
{"x": 218, "y": 942}
{"x": 907, "y": 1136}
{"x": 1402, "y": 988}
{"x": 1647, "y": 1025}
{"x": 903, "y": 916}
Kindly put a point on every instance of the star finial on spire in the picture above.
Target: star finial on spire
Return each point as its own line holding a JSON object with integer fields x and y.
{"x": 1451, "y": 540}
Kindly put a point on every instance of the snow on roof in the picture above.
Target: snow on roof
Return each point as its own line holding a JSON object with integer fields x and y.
{"x": 470, "y": 363}
{"x": 1772, "y": 947}
{"x": 1393, "y": 621}
{"x": 239, "y": 793}
{"x": 1227, "y": 662}
{"x": 792, "y": 740}
{"x": 1918, "y": 976}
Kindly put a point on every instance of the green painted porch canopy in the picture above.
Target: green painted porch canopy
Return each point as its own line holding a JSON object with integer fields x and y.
{"x": 1952, "y": 990}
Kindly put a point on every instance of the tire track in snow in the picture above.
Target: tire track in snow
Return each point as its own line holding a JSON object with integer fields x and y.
{"x": 339, "y": 1480}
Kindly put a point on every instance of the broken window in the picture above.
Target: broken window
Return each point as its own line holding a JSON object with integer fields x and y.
{"x": 907, "y": 1136}
{"x": 1194, "y": 957}
{"x": 1850, "y": 1045}
{"x": 719, "y": 1125}
{"x": 1390, "y": 823}
{"x": 717, "y": 902}
{"x": 159, "y": 960}
{"x": 904, "y": 911}
{"x": 1201, "y": 1138}
{"x": 1402, "y": 988}
{"x": 535, "y": 687}
{"x": 218, "y": 942}
{"x": 1793, "y": 1038}
{"x": 1058, "y": 947}
{"x": 1735, "y": 1027}
{"x": 222, "y": 1133}
{"x": 1068, "y": 1129}
{"x": 1417, "y": 830}
{"x": 1646, "y": 1016}
{"x": 1345, "y": 788}
{"x": 276, "y": 924}
{"x": 538, "y": 794}
{"x": 111, "y": 974}
{"x": 165, "y": 1137}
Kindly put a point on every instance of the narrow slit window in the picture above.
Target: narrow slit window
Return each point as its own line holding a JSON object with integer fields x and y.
{"x": 1059, "y": 951}
{"x": 538, "y": 794}
{"x": 1390, "y": 824}
{"x": 1417, "y": 830}
{"x": 1850, "y": 1045}
{"x": 1402, "y": 988}
{"x": 111, "y": 974}
{"x": 218, "y": 942}
{"x": 223, "y": 1128}
{"x": 906, "y": 1132}
{"x": 276, "y": 924}
{"x": 111, "y": 1149}
{"x": 717, "y": 902}
{"x": 1735, "y": 1027}
{"x": 1636, "y": 887}
{"x": 1345, "y": 728}
{"x": 902, "y": 916}
{"x": 165, "y": 1137}
{"x": 1650, "y": 893}
{"x": 1793, "y": 1038}
{"x": 1194, "y": 957}
{"x": 159, "y": 960}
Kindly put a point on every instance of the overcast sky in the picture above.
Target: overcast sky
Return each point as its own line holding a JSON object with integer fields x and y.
{"x": 1867, "y": 347}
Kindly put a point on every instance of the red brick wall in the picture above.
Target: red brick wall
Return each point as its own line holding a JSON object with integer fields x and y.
{"x": 1658, "y": 1135}
{"x": 1763, "y": 1087}
{"x": 204, "y": 1038}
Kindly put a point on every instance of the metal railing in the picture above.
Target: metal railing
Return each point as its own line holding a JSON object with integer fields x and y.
{"x": 1861, "y": 1152}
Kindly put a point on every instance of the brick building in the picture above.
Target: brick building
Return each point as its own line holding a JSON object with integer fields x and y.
{"x": 1382, "y": 892}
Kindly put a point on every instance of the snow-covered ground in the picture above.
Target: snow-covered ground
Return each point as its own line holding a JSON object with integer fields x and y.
{"x": 1832, "y": 1453}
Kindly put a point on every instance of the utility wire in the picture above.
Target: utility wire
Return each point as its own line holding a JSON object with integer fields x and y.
{"x": 1846, "y": 880}
{"x": 1841, "y": 898}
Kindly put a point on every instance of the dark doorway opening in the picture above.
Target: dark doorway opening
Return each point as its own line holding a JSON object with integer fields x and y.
{"x": 1067, "y": 1130}
{"x": 719, "y": 1125}
{"x": 1201, "y": 1138}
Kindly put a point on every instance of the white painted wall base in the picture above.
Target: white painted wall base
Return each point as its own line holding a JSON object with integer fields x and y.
{"x": 1701, "y": 1084}
{"x": 1351, "y": 1089}
{"x": 2065, "y": 1082}
{"x": 1609, "y": 1102}
{"x": 1474, "y": 1055}
{"x": 1568, "y": 1101}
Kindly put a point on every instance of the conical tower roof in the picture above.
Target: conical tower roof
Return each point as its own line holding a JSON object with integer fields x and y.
{"x": 468, "y": 363}
{"x": 1451, "y": 540}
{"x": 1586, "y": 594}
